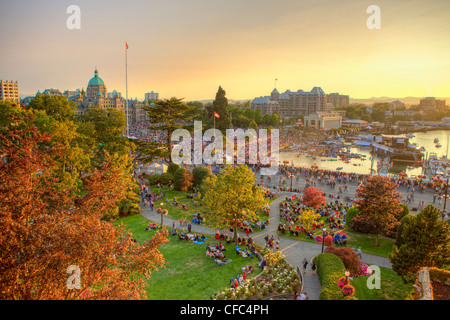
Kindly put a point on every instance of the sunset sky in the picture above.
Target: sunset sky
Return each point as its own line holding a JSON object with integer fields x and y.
{"x": 188, "y": 48}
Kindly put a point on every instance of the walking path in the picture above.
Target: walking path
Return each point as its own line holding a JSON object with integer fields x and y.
{"x": 294, "y": 250}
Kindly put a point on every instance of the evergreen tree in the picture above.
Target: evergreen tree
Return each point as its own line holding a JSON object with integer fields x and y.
{"x": 425, "y": 242}
{"x": 220, "y": 106}
{"x": 171, "y": 114}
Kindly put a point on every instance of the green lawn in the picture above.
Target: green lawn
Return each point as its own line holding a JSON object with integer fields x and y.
{"x": 391, "y": 287}
{"x": 189, "y": 274}
{"x": 177, "y": 212}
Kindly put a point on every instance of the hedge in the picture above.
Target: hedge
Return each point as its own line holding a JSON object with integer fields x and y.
{"x": 330, "y": 269}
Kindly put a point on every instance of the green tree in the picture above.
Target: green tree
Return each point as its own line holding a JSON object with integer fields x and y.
{"x": 198, "y": 174}
{"x": 56, "y": 106}
{"x": 173, "y": 167}
{"x": 258, "y": 116}
{"x": 171, "y": 114}
{"x": 232, "y": 195}
{"x": 351, "y": 213}
{"x": 253, "y": 125}
{"x": 425, "y": 243}
{"x": 220, "y": 105}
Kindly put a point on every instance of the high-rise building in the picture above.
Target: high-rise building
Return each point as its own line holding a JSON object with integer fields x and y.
{"x": 291, "y": 104}
{"x": 152, "y": 96}
{"x": 338, "y": 100}
{"x": 9, "y": 91}
{"x": 431, "y": 104}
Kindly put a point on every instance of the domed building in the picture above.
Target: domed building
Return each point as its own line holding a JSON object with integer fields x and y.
{"x": 96, "y": 86}
{"x": 96, "y": 96}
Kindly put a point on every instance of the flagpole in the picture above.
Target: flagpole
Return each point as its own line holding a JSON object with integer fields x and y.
{"x": 126, "y": 85}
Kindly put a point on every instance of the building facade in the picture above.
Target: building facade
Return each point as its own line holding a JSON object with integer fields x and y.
{"x": 323, "y": 120}
{"x": 152, "y": 96}
{"x": 431, "y": 104}
{"x": 96, "y": 95}
{"x": 9, "y": 91}
{"x": 291, "y": 104}
{"x": 338, "y": 100}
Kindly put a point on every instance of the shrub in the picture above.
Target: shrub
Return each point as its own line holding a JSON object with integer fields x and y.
{"x": 198, "y": 174}
{"x": 351, "y": 213}
{"x": 165, "y": 178}
{"x": 173, "y": 167}
{"x": 153, "y": 179}
{"x": 182, "y": 180}
{"x": 348, "y": 257}
{"x": 403, "y": 213}
{"x": 330, "y": 269}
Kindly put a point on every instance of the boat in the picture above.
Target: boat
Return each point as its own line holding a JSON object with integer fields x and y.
{"x": 340, "y": 168}
{"x": 438, "y": 145}
{"x": 409, "y": 135}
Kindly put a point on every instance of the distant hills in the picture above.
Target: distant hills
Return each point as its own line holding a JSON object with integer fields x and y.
{"x": 406, "y": 100}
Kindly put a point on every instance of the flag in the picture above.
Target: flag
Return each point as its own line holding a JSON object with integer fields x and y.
{"x": 126, "y": 45}
{"x": 216, "y": 115}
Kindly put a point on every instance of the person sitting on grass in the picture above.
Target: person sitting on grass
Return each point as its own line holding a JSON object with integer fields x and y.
{"x": 218, "y": 262}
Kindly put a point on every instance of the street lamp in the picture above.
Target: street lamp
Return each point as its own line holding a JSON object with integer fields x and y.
{"x": 445, "y": 199}
{"x": 291, "y": 176}
{"x": 162, "y": 214}
{"x": 324, "y": 230}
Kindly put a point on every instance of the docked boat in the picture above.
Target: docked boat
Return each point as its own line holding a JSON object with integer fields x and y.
{"x": 438, "y": 145}
{"x": 409, "y": 135}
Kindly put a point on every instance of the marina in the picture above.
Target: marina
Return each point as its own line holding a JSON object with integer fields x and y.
{"x": 354, "y": 154}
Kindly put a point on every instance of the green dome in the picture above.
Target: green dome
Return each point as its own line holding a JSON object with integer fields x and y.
{"x": 96, "y": 81}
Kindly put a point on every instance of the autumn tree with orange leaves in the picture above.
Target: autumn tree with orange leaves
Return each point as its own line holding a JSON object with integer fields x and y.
{"x": 45, "y": 228}
{"x": 313, "y": 197}
{"x": 378, "y": 202}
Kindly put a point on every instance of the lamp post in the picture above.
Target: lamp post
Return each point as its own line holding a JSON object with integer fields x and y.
{"x": 291, "y": 176}
{"x": 324, "y": 230}
{"x": 445, "y": 199}
{"x": 162, "y": 214}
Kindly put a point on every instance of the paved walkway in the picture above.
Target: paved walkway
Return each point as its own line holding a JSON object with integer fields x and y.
{"x": 294, "y": 250}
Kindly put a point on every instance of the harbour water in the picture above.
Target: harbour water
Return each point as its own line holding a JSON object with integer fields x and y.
{"x": 364, "y": 164}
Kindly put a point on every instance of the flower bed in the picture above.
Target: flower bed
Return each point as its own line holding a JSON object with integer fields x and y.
{"x": 278, "y": 277}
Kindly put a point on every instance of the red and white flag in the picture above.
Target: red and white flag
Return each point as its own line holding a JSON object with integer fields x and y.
{"x": 216, "y": 115}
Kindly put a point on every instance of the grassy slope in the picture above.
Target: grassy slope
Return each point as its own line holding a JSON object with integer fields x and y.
{"x": 189, "y": 274}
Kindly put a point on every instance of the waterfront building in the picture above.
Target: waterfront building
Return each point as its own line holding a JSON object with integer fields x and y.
{"x": 9, "y": 91}
{"x": 357, "y": 124}
{"x": 323, "y": 120}
{"x": 291, "y": 104}
{"x": 338, "y": 100}
{"x": 431, "y": 104}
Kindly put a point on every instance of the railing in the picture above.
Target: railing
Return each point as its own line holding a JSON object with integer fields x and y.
{"x": 300, "y": 278}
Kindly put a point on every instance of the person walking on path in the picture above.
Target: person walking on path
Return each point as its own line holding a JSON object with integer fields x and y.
{"x": 313, "y": 267}
{"x": 189, "y": 227}
{"x": 305, "y": 264}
